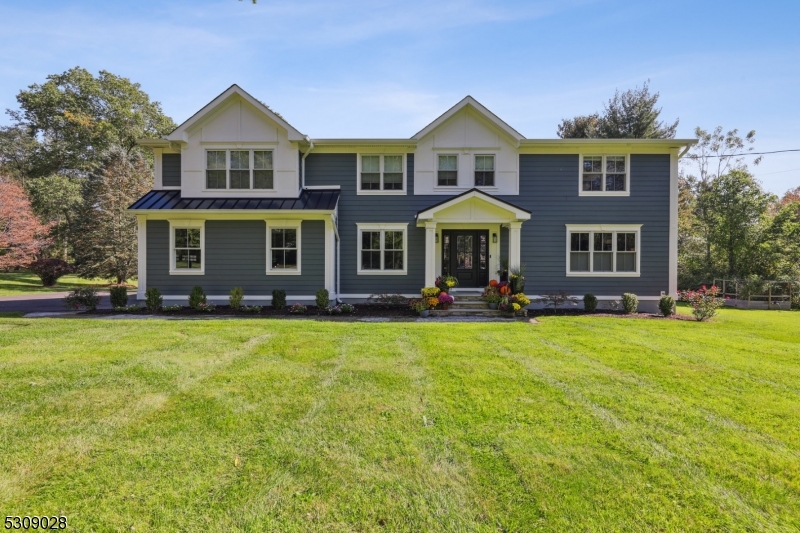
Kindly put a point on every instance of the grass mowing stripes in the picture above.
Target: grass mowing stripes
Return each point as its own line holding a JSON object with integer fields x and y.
{"x": 578, "y": 423}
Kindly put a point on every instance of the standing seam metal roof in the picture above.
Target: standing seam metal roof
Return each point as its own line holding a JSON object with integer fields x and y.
{"x": 317, "y": 199}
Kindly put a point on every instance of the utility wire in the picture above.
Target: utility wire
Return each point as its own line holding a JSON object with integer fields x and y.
{"x": 746, "y": 153}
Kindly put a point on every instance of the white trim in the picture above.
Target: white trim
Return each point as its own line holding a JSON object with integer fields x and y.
{"x": 480, "y": 109}
{"x": 673, "y": 223}
{"x": 322, "y": 187}
{"x": 158, "y": 173}
{"x": 378, "y": 226}
{"x": 187, "y": 224}
{"x": 365, "y": 296}
{"x": 330, "y": 253}
{"x": 141, "y": 222}
{"x": 381, "y": 172}
{"x": 430, "y": 253}
{"x": 626, "y": 192}
{"x": 283, "y": 224}
{"x": 603, "y": 228}
{"x": 267, "y": 298}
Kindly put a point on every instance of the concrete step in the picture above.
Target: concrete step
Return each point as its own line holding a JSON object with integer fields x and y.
{"x": 463, "y": 298}
{"x": 469, "y": 305}
{"x": 465, "y": 312}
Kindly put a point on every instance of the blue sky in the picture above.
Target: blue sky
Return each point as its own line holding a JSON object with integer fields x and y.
{"x": 386, "y": 68}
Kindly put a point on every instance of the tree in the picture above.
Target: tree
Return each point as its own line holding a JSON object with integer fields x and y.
{"x": 22, "y": 235}
{"x": 56, "y": 200}
{"x": 629, "y": 115}
{"x": 16, "y": 152}
{"x": 107, "y": 246}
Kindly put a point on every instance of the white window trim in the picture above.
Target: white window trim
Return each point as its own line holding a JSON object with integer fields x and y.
{"x": 284, "y": 224}
{"x": 228, "y": 168}
{"x": 626, "y": 192}
{"x": 380, "y": 191}
{"x": 187, "y": 224}
{"x": 436, "y": 185}
{"x": 605, "y": 228}
{"x": 361, "y": 227}
{"x": 474, "y": 170}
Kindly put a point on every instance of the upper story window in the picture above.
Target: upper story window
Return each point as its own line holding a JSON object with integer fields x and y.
{"x": 603, "y": 250}
{"x": 447, "y": 171}
{"x": 381, "y": 173}
{"x": 604, "y": 175}
{"x": 484, "y": 171}
{"x": 239, "y": 169}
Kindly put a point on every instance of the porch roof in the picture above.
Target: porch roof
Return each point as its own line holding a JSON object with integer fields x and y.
{"x": 515, "y": 212}
{"x": 310, "y": 200}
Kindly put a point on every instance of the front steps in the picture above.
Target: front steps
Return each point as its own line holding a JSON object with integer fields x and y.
{"x": 467, "y": 303}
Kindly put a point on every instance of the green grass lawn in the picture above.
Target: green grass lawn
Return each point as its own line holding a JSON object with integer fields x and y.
{"x": 19, "y": 283}
{"x": 575, "y": 424}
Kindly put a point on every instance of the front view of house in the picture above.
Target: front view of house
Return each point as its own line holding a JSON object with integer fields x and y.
{"x": 242, "y": 199}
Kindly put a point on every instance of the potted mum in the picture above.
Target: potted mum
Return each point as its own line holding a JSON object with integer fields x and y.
{"x": 420, "y": 306}
{"x": 491, "y": 294}
{"x": 445, "y": 300}
{"x": 445, "y": 283}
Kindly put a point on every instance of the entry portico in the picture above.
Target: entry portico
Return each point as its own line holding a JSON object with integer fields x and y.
{"x": 460, "y": 231}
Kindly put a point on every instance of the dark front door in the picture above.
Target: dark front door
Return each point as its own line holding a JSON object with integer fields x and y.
{"x": 465, "y": 255}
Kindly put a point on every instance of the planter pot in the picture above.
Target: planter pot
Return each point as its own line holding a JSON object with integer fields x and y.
{"x": 445, "y": 307}
{"x": 424, "y": 314}
{"x": 518, "y": 285}
{"x": 492, "y": 305}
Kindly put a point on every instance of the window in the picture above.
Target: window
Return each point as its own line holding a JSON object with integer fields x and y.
{"x": 604, "y": 175}
{"x": 484, "y": 171}
{"x": 603, "y": 250}
{"x": 381, "y": 173}
{"x": 186, "y": 247}
{"x": 239, "y": 169}
{"x": 447, "y": 175}
{"x": 283, "y": 247}
{"x": 382, "y": 248}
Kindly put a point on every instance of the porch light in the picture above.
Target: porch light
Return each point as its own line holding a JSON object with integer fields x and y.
{"x": 437, "y": 238}
{"x": 494, "y": 238}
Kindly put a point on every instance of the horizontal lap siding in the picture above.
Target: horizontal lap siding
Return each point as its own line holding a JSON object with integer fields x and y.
{"x": 235, "y": 256}
{"x": 171, "y": 170}
{"x": 549, "y": 189}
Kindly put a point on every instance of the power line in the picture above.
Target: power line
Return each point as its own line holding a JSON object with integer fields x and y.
{"x": 746, "y": 153}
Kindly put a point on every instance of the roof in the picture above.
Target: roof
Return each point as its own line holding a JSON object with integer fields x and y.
{"x": 472, "y": 193}
{"x": 477, "y": 106}
{"x": 177, "y": 133}
{"x": 313, "y": 200}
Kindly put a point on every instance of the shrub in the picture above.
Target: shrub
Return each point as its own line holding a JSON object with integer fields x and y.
{"x": 590, "y": 303}
{"x": 419, "y": 305}
{"x": 118, "y": 296}
{"x": 49, "y": 270}
{"x": 630, "y": 303}
{"x": 348, "y": 309}
{"x": 557, "y": 299}
{"x": 387, "y": 300}
{"x": 251, "y": 308}
{"x": 171, "y": 308}
{"x": 133, "y": 308}
{"x": 704, "y": 302}
{"x": 667, "y": 305}
{"x": 86, "y": 298}
{"x": 323, "y": 299}
{"x": 334, "y": 310}
{"x": 206, "y": 307}
{"x": 298, "y": 309}
{"x": 279, "y": 298}
{"x": 197, "y": 297}
{"x": 153, "y": 299}
{"x": 235, "y": 299}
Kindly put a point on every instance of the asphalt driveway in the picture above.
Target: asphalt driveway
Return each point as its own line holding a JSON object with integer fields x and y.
{"x": 51, "y": 302}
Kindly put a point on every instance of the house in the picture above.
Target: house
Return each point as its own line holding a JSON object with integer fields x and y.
{"x": 242, "y": 198}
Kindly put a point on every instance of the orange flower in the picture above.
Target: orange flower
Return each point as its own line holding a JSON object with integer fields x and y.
{"x": 493, "y": 283}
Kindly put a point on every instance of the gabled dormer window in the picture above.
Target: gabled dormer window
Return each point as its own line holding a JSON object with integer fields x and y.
{"x": 381, "y": 174}
{"x": 239, "y": 169}
{"x": 604, "y": 175}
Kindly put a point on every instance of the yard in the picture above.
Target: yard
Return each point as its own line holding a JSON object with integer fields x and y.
{"x": 19, "y": 283}
{"x": 575, "y": 424}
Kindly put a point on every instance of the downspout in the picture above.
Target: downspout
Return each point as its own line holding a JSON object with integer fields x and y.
{"x": 303, "y": 173}
{"x": 683, "y": 153}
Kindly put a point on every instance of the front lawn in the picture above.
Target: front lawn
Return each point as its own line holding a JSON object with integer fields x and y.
{"x": 19, "y": 283}
{"x": 575, "y": 424}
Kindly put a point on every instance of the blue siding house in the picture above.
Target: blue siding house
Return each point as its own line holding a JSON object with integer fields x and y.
{"x": 241, "y": 198}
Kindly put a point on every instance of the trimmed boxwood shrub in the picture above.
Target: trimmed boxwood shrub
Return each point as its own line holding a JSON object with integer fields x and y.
{"x": 49, "y": 270}
{"x": 152, "y": 299}
{"x": 86, "y": 298}
{"x": 323, "y": 299}
{"x": 197, "y": 297}
{"x": 590, "y": 303}
{"x": 118, "y": 296}
{"x": 630, "y": 303}
{"x": 278, "y": 298}
{"x": 235, "y": 299}
{"x": 667, "y": 305}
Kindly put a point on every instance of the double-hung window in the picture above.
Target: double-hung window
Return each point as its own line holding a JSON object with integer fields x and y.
{"x": 484, "y": 171}
{"x": 604, "y": 175}
{"x": 447, "y": 170}
{"x": 283, "y": 247}
{"x": 187, "y": 241}
{"x": 239, "y": 169}
{"x": 382, "y": 248}
{"x": 603, "y": 250}
{"x": 381, "y": 173}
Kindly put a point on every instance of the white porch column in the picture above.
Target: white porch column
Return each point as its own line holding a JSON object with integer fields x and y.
{"x": 330, "y": 253}
{"x": 142, "y": 257}
{"x": 430, "y": 253}
{"x": 514, "y": 244}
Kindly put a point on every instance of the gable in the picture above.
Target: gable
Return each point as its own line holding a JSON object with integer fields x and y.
{"x": 480, "y": 114}
{"x": 468, "y": 129}
{"x": 236, "y": 121}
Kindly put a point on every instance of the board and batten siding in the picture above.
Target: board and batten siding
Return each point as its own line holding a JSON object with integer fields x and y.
{"x": 549, "y": 189}
{"x": 236, "y": 256}
{"x": 171, "y": 170}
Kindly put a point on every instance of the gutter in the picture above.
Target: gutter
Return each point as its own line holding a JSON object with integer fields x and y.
{"x": 303, "y": 173}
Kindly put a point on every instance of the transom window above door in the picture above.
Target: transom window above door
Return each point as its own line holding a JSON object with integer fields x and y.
{"x": 484, "y": 171}
{"x": 604, "y": 175}
{"x": 239, "y": 169}
{"x": 381, "y": 174}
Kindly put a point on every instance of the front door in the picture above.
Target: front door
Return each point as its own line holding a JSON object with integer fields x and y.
{"x": 465, "y": 255}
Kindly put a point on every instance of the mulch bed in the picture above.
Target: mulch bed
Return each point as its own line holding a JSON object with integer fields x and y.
{"x": 362, "y": 310}
{"x": 605, "y": 314}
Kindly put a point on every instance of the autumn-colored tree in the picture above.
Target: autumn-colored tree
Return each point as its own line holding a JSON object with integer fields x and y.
{"x": 22, "y": 235}
{"x": 106, "y": 233}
